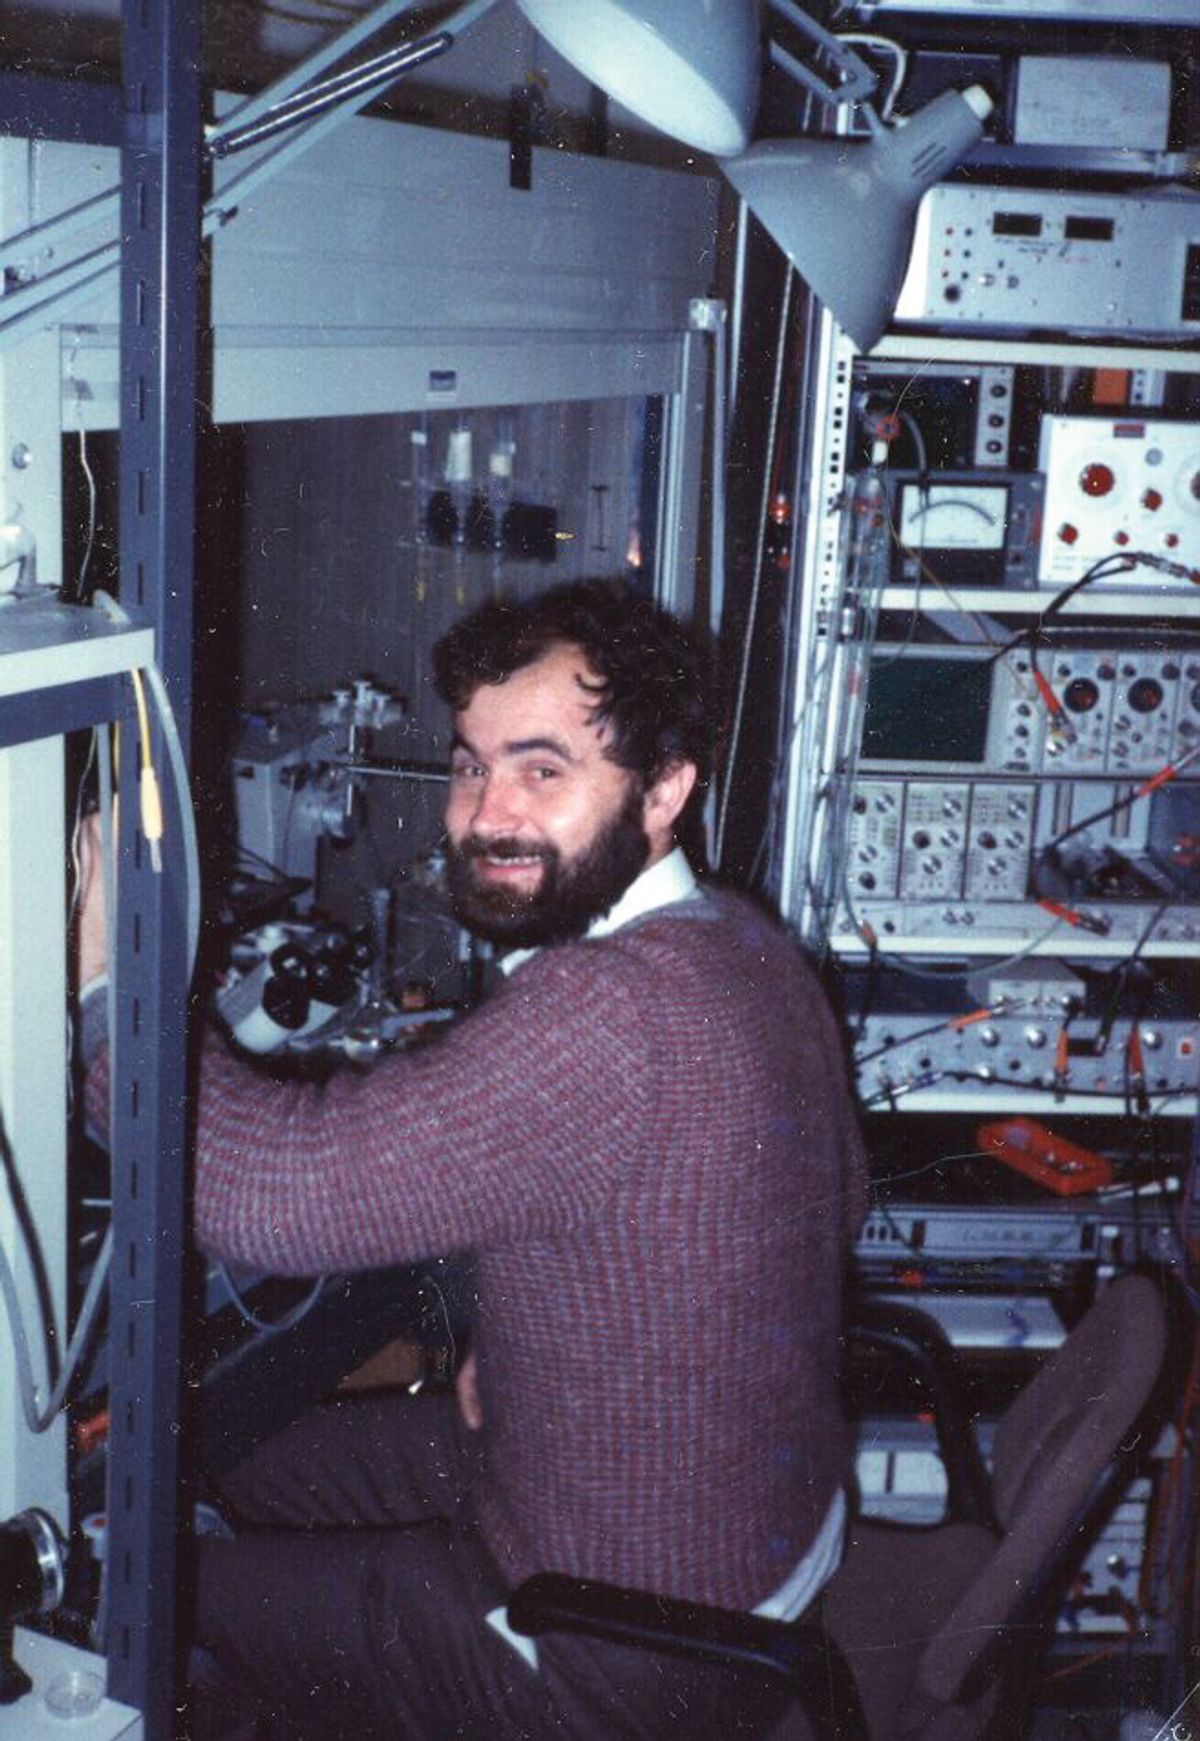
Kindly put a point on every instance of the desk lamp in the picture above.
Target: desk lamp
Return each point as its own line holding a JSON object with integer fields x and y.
{"x": 842, "y": 210}
{"x": 688, "y": 67}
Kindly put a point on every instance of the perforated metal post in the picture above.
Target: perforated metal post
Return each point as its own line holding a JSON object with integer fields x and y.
{"x": 160, "y": 228}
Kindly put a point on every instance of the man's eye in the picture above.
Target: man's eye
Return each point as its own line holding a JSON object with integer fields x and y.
{"x": 546, "y": 772}
{"x": 466, "y": 771}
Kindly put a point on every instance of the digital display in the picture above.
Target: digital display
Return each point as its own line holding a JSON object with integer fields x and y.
{"x": 922, "y": 708}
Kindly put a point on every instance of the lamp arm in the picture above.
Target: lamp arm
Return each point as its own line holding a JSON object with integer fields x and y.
{"x": 314, "y": 100}
{"x": 858, "y": 80}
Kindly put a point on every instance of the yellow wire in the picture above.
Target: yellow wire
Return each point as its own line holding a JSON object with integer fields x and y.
{"x": 149, "y": 790}
{"x": 139, "y": 691}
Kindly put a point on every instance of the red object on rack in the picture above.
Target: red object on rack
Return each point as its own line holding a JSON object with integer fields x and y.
{"x": 1061, "y": 1166}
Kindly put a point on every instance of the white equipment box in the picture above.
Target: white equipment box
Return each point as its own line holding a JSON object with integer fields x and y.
{"x": 1118, "y": 485}
{"x": 1048, "y": 260}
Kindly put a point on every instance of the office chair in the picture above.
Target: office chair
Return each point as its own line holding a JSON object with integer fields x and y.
{"x": 923, "y": 1631}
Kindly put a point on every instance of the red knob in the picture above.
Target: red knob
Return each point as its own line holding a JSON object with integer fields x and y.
{"x": 1097, "y": 479}
{"x": 1067, "y": 533}
{"x": 1152, "y": 499}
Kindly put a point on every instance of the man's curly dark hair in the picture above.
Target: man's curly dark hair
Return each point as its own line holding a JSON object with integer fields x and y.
{"x": 653, "y": 680}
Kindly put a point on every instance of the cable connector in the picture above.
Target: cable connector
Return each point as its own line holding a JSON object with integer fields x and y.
{"x": 889, "y": 1092}
{"x": 1060, "y": 725}
{"x": 1164, "y": 565}
{"x": 1062, "y": 1061}
{"x": 150, "y": 795}
{"x": 1165, "y": 775}
{"x": 1096, "y": 923}
{"x": 1000, "y": 1007}
{"x": 1137, "y": 1073}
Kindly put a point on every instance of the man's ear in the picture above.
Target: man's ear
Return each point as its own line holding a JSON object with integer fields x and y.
{"x": 665, "y": 798}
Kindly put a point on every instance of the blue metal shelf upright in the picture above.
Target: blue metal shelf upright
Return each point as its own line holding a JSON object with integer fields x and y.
{"x": 160, "y": 262}
{"x": 157, "y": 121}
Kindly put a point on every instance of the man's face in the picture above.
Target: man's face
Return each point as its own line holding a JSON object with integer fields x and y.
{"x": 545, "y": 831}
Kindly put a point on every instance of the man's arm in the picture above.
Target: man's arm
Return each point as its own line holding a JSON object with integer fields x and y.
{"x": 92, "y": 957}
{"x": 516, "y": 1123}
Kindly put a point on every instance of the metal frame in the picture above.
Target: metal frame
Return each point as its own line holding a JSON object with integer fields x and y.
{"x": 160, "y": 223}
{"x": 158, "y": 123}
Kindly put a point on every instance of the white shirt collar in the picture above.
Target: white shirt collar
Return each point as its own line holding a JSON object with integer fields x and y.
{"x": 661, "y": 884}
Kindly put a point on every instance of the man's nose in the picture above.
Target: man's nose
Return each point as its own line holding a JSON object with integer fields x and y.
{"x": 498, "y": 809}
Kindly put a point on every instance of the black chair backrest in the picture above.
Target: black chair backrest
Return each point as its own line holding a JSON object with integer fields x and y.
{"x": 1051, "y": 1451}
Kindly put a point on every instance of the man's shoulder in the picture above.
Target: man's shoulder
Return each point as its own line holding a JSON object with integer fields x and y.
{"x": 714, "y": 923}
{"x": 709, "y": 928}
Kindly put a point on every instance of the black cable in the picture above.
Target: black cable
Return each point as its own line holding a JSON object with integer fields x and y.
{"x": 252, "y": 858}
{"x": 1120, "y": 973}
{"x": 1123, "y": 562}
{"x": 869, "y": 991}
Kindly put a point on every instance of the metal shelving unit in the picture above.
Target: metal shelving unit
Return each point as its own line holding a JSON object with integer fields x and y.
{"x": 930, "y": 1038}
{"x": 60, "y": 672}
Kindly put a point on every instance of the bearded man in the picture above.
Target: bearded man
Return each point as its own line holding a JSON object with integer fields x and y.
{"x": 645, "y": 1140}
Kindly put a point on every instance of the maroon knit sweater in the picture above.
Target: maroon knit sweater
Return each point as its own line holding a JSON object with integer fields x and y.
{"x": 648, "y": 1144}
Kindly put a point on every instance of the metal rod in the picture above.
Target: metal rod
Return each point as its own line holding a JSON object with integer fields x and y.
{"x": 399, "y": 771}
{"x": 329, "y": 53}
{"x": 858, "y": 80}
{"x": 361, "y": 80}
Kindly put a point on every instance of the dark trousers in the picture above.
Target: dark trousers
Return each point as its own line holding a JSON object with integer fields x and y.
{"x": 353, "y": 1603}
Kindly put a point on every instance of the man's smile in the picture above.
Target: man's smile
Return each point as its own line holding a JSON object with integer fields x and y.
{"x": 504, "y": 861}
{"x": 503, "y": 865}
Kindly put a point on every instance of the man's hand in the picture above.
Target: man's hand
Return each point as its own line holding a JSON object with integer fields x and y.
{"x": 93, "y": 931}
{"x": 466, "y": 1389}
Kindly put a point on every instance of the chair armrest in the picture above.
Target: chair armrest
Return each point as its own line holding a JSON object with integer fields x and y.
{"x": 917, "y": 1339}
{"x": 800, "y": 1650}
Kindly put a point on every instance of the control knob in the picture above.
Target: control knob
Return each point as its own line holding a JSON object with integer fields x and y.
{"x": 1081, "y": 695}
{"x": 1097, "y": 479}
{"x": 1145, "y": 695}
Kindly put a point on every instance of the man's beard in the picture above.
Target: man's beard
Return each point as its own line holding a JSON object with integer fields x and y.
{"x": 571, "y": 894}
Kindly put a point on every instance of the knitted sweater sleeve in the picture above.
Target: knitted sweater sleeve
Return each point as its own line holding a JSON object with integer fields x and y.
{"x": 513, "y": 1126}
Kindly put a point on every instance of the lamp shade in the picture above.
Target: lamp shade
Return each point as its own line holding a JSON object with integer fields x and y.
{"x": 687, "y": 67}
{"x": 843, "y": 212}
